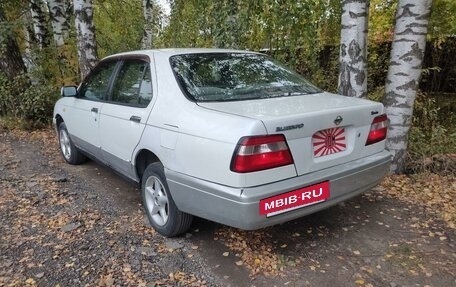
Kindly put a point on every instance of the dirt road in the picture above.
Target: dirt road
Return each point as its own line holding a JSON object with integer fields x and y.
{"x": 65, "y": 225}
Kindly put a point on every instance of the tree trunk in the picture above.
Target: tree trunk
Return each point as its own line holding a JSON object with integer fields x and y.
{"x": 404, "y": 72}
{"x": 147, "y": 39}
{"x": 11, "y": 63}
{"x": 353, "y": 48}
{"x": 39, "y": 23}
{"x": 58, "y": 20}
{"x": 87, "y": 48}
{"x": 29, "y": 34}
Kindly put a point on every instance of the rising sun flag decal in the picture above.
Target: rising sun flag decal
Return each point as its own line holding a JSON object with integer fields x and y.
{"x": 328, "y": 141}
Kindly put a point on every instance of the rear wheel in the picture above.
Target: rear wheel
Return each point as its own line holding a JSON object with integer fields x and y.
{"x": 69, "y": 152}
{"x": 162, "y": 212}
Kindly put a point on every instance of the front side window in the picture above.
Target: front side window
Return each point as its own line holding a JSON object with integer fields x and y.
{"x": 133, "y": 84}
{"x": 96, "y": 85}
{"x": 236, "y": 76}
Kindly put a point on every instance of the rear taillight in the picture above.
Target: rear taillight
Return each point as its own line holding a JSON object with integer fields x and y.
{"x": 378, "y": 129}
{"x": 261, "y": 152}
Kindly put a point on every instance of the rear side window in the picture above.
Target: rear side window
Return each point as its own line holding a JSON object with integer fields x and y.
{"x": 95, "y": 86}
{"x": 133, "y": 85}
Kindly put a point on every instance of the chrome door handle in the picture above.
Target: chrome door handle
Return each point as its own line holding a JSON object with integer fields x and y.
{"x": 94, "y": 110}
{"x": 135, "y": 119}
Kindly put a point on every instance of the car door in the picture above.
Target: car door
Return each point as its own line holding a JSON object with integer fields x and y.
{"x": 123, "y": 117}
{"x": 82, "y": 118}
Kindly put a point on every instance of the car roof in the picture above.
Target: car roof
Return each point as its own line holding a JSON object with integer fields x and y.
{"x": 178, "y": 51}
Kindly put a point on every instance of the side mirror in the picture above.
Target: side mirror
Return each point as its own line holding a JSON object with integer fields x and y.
{"x": 68, "y": 91}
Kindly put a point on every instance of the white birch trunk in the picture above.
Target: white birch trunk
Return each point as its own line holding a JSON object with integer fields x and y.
{"x": 28, "y": 33}
{"x": 27, "y": 41}
{"x": 404, "y": 72}
{"x": 39, "y": 22}
{"x": 58, "y": 20}
{"x": 87, "y": 48}
{"x": 147, "y": 39}
{"x": 353, "y": 48}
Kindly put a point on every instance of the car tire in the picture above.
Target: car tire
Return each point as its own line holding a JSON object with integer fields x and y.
{"x": 69, "y": 152}
{"x": 162, "y": 212}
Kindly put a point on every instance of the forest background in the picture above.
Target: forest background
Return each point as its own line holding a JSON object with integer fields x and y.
{"x": 304, "y": 34}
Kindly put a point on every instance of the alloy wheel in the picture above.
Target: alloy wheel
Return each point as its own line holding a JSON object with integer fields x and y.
{"x": 156, "y": 200}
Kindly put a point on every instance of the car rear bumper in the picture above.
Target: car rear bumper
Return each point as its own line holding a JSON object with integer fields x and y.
{"x": 239, "y": 207}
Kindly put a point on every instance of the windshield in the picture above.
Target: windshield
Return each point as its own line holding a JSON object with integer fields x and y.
{"x": 236, "y": 76}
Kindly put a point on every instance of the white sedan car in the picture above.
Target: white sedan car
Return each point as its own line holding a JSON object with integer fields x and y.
{"x": 230, "y": 136}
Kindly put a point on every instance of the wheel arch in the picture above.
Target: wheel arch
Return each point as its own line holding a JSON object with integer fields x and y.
{"x": 58, "y": 120}
{"x": 143, "y": 158}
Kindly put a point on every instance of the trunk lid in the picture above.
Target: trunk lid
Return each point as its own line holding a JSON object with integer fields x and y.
{"x": 305, "y": 119}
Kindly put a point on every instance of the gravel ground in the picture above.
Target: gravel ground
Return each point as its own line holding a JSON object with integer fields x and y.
{"x": 65, "y": 225}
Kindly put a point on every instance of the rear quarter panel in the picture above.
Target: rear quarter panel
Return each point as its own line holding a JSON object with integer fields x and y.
{"x": 197, "y": 141}
{"x": 200, "y": 143}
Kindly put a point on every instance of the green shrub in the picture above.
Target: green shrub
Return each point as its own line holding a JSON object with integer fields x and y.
{"x": 38, "y": 103}
{"x": 432, "y": 138}
{"x": 376, "y": 94}
{"x": 31, "y": 103}
{"x": 11, "y": 95}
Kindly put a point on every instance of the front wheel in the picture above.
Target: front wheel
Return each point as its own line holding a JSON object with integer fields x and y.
{"x": 69, "y": 152}
{"x": 162, "y": 212}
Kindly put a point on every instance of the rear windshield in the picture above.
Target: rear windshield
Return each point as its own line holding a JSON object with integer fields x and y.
{"x": 236, "y": 76}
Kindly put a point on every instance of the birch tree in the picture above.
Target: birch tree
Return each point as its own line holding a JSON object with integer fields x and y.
{"x": 11, "y": 63}
{"x": 39, "y": 23}
{"x": 29, "y": 34}
{"x": 147, "y": 39}
{"x": 58, "y": 17}
{"x": 404, "y": 72}
{"x": 353, "y": 48}
{"x": 85, "y": 31}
